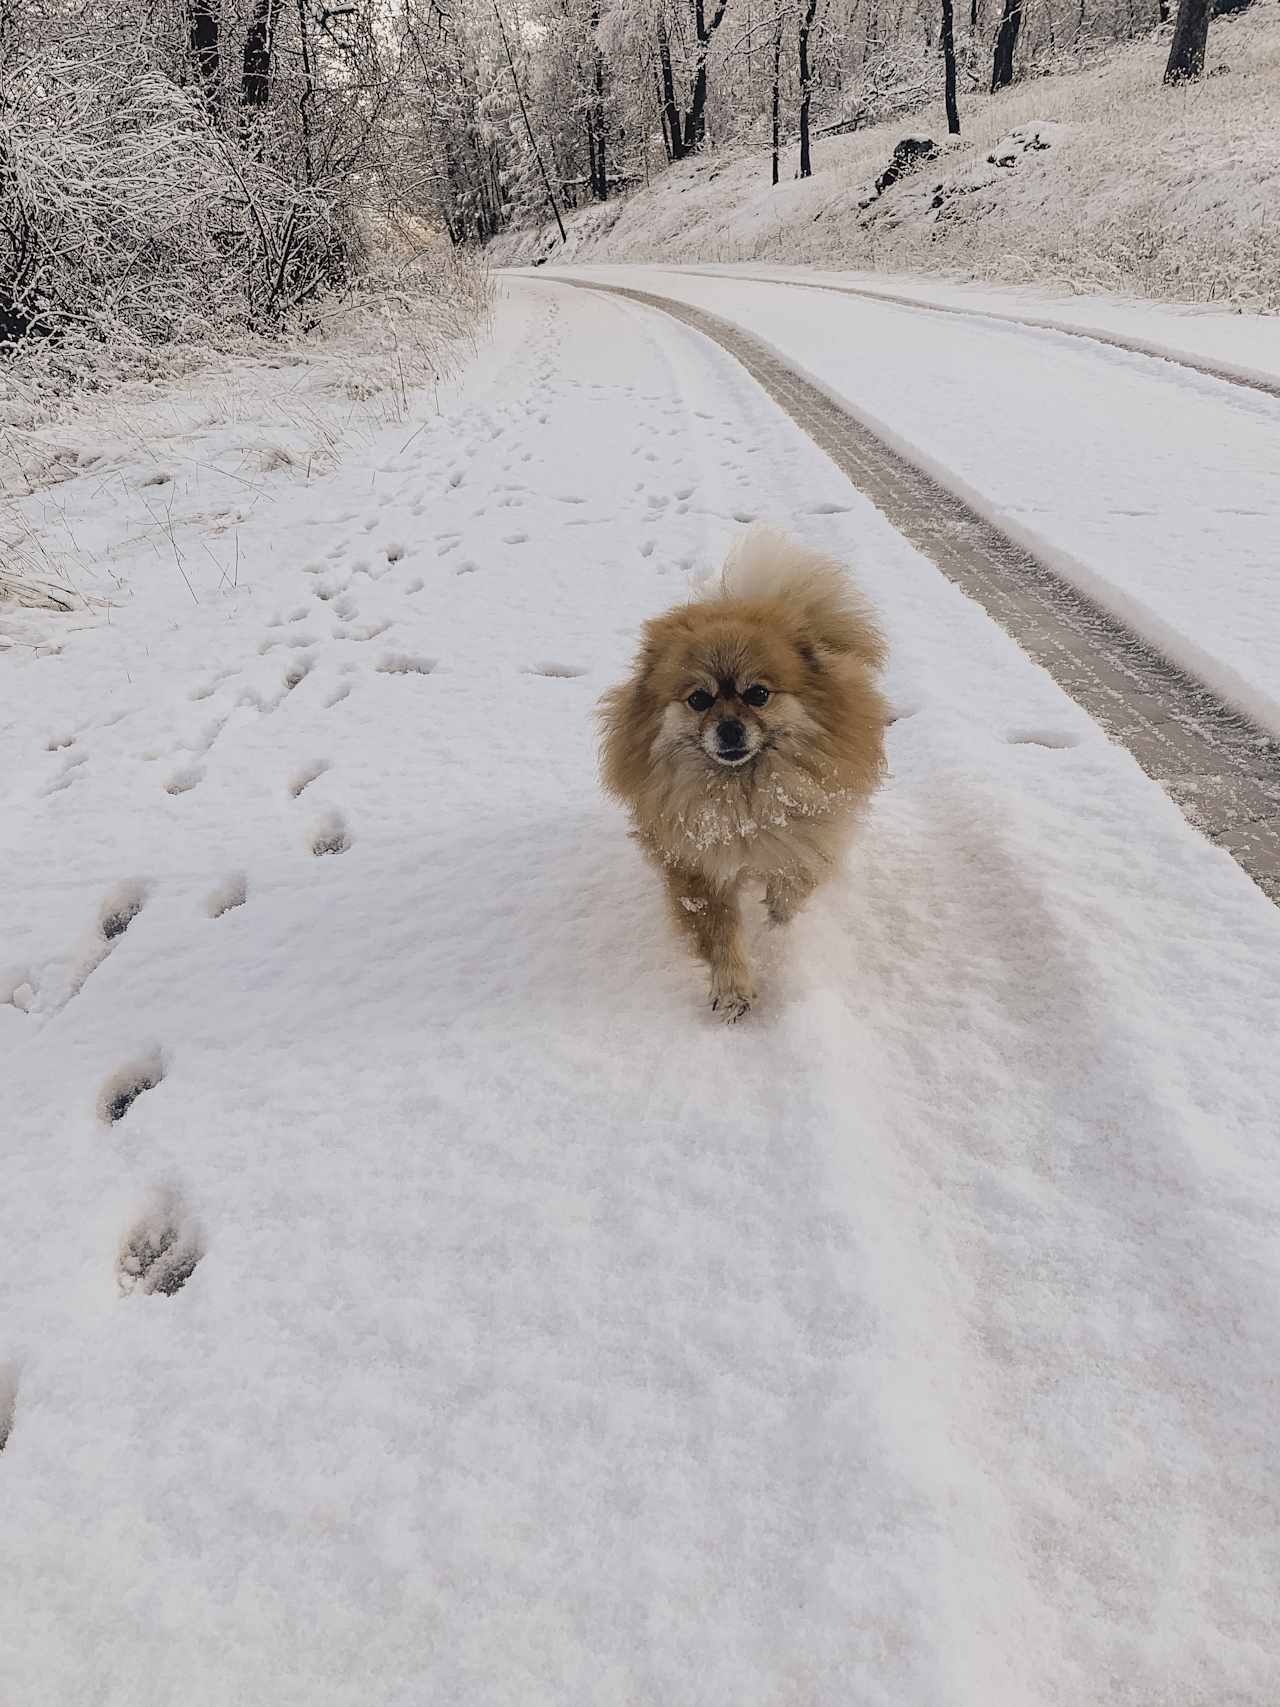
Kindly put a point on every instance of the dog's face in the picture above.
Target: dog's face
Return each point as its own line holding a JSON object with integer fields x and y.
{"x": 737, "y": 691}
{"x": 727, "y": 688}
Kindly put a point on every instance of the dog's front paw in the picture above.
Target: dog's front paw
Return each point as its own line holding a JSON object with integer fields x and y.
{"x": 731, "y": 999}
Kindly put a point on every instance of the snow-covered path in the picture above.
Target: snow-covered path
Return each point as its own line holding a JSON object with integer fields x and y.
{"x": 548, "y": 1344}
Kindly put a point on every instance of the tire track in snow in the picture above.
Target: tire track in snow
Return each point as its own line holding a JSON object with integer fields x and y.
{"x": 1132, "y": 346}
{"x": 1221, "y": 769}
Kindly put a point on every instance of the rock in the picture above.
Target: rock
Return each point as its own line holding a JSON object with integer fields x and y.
{"x": 909, "y": 155}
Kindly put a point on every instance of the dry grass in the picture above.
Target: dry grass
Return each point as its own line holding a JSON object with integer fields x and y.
{"x": 133, "y": 423}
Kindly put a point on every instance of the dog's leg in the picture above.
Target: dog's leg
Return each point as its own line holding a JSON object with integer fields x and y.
{"x": 785, "y": 895}
{"x": 710, "y": 918}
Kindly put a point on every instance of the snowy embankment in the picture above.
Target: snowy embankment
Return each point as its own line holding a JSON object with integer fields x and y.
{"x": 1150, "y": 487}
{"x": 455, "y": 1312}
{"x": 1162, "y": 192}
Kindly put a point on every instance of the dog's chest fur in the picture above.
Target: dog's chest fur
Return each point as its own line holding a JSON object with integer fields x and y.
{"x": 778, "y": 820}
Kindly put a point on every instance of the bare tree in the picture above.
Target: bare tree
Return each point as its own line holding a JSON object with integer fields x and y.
{"x": 1006, "y": 44}
{"x": 203, "y": 21}
{"x": 1190, "y": 39}
{"x": 695, "y": 118}
{"x": 259, "y": 45}
{"x": 595, "y": 116}
{"x": 777, "y": 90}
{"x": 949, "y": 68}
{"x": 806, "y": 86}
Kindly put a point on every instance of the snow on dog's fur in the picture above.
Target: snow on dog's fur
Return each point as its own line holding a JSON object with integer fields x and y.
{"x": 746, "y": 742}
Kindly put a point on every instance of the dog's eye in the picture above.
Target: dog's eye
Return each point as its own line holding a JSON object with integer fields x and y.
{"x": 757, "y": 694}
{"x": 699, "y": 700}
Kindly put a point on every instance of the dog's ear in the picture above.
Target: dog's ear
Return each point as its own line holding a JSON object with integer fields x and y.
{"x": 834, "y": 622}
{"x": 628, "y": 715}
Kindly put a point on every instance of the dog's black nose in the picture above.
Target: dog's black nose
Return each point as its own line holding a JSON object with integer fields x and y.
{"x": 731, "y": 735}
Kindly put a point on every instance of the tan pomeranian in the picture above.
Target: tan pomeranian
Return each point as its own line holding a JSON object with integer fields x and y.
{"x": 747, "y": 743}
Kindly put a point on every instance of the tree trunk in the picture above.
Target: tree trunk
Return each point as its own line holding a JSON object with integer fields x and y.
{"x": 203, "y": 20}
{"x": 670, "y": 112}
{"x": 255, "y": 83}
{"x": 777, "y": 80}
{"x": 1190, "y": 38}
{"x": 1006, "y": 44}
{"x": 806, "y": 24}
{"x": 695, "y": 119}
{"x": 949, "y": 67}
{"x": 973, "y": 17}
{"x": 600, "y": 183}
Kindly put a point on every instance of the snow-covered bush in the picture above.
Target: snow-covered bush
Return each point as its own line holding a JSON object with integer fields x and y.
{"x": 127, "y": 214}
{"x": 156, "y": 222}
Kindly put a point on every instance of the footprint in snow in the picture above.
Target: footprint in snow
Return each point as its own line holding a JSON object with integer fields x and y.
{"x": 405, "y": 664}
{"x": 1044, "y": 738}
{"x": 232, "y": 892}
{"x": 8, "y": 1402}
{"x": 338, "y": 694}
{"x": 161, "y": 1250}
{"x": 562, "y": 671}
{"x": 127, "y": 1084}
{"x": 119, "y": 909}
{"x": 307, "y": 775}
{"x": 330, "y": 835}
{"x": 56, "y": 743}
{"x": 298, "y": 671}
{"x": 183, "y": 781}
{"x": 394, "y": 552}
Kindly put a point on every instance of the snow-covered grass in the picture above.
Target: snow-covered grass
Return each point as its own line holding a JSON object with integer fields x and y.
{"x": 179, "y": 445}
{"x": 410, "y": 1295}
{"x": 1167, "y": 192}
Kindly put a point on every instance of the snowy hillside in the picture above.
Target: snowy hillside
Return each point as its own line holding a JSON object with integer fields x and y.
{"x": 408, "y": 1294}
{"x": 1098, "y": 178}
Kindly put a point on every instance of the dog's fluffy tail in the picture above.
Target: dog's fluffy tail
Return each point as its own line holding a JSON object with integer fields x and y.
{"x": 767, "y": 566}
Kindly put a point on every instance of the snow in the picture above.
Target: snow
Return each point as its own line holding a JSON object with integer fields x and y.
{"x": 1149, "y": 486}
{"x": 546, "y": 1343}
{"x": 1242, "y": 345}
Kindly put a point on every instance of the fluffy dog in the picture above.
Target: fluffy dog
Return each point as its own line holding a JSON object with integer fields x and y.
{"x": 746, "y": 743}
